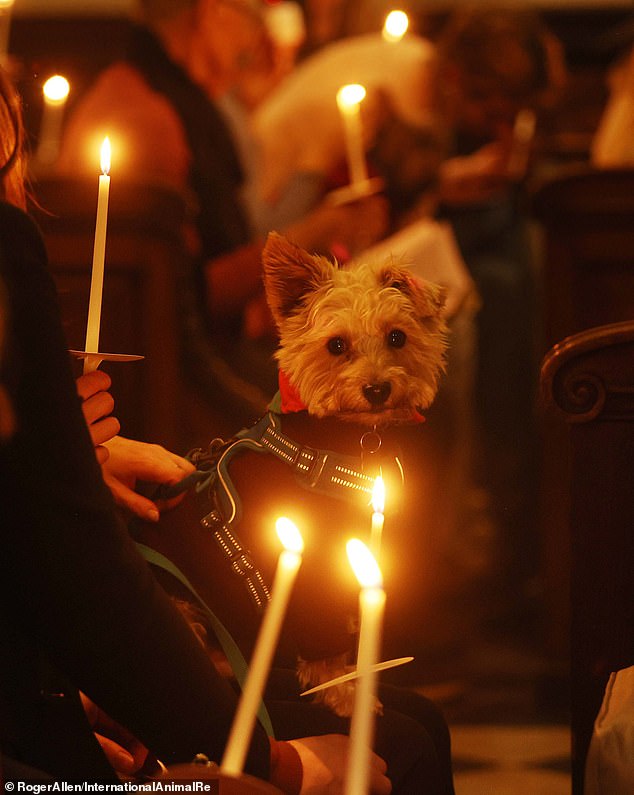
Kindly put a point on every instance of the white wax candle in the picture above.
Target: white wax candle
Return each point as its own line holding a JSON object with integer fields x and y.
{"x": 6, "y": 7}
{"x": 378, "y": 506}
{"x": 242, "y": 729}
{"x": 371, "y": 608}
{"x": 349, "y": 100}
{"x": 98, "y": 260}
{"x": 395, "y": 26}
{"x": 55, "y": 92}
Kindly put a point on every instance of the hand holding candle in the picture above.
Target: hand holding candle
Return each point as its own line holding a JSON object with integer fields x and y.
{"x": 288, "y": 565}
{"x": 349, "y": 99}
{"x": 98, "y": 261}
{"x": 372, "y": 607}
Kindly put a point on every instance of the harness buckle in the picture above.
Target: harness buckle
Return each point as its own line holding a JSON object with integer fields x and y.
{"x": 309, "y": 464}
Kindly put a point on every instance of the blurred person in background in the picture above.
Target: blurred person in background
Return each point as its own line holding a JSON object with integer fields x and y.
{"x": 162, "y": 107}
{"x": 497, "y": 70}
{"x": 613, "y": 143}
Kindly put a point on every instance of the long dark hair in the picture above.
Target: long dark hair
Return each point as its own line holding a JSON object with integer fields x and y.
{"x": 12, "y": 153}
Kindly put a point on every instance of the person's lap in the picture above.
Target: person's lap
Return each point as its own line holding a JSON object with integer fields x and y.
{"x": 411, "y": 734}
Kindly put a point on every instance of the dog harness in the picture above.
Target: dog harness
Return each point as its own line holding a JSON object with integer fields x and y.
{"x": 323, "y": 471}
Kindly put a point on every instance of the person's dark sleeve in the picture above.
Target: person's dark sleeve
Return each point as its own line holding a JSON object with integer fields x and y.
{"x": 72, "y": 574}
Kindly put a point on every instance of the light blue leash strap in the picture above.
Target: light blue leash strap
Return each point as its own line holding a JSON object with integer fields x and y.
{"x": 229, "y": 646}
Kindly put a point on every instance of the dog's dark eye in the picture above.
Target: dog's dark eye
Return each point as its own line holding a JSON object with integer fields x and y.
{"x": 337, "y": 346}
{"x": 396, "y": 338}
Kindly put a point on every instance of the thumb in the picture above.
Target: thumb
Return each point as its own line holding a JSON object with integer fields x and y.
{"x": 125, "y": 497}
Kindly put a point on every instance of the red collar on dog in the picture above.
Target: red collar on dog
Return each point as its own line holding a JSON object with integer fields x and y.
{"x": 290, "y": 400}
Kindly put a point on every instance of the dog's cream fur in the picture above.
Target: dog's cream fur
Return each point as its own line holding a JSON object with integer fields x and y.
{"x": 342, "y": 331}
{"x": 314, "y": 301}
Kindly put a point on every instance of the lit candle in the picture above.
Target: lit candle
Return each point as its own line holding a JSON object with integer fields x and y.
{"x": 288, "y": 565}
{"x": 98, "y": 259}
{"x": 521, "y": 142}
{"x": 371, "y": 607}
{"x": 378, "y": 506}
{"x": 349, "y": 100}
{"x": 6, "y": 7}
{"x": 395, "y": 26}
{"x": 55, "y": 92}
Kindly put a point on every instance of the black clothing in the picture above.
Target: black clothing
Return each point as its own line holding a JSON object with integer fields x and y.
{"x": 216, "y": 174}
{"x": 75, "y": 596}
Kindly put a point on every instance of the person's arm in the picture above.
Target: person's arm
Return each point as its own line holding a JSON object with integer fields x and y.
{"x": 126, "y": 461}
{"x": 70, "y": 574}
{"x": 235, "y": 278}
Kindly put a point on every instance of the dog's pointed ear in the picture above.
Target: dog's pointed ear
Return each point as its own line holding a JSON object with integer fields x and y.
{"x": 428, "y": 298}
{"x": 289, "y": 274}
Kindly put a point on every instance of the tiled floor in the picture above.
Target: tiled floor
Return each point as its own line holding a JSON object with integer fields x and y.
{"x": 511, "y": 760}
{"x": 507, "y": 711}
{"x": 505, "y": 739}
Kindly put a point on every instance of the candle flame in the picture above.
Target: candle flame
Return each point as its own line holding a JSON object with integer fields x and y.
{"x": 106, "y": 153}
{"x": 56, "y": 89}
{"x": 364, "y": 564}
{"x": 378, "y": 495}
{"x": 395, "y": 26}
{"x": 350, "y": 95}
{"x": 6, "y": 4}
{"x": 289, "y": 535}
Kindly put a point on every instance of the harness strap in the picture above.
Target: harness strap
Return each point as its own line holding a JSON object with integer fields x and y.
{"x": 239, "y": 557}
{"x": 320, "y": 470}
{"x": 229, "y": 646}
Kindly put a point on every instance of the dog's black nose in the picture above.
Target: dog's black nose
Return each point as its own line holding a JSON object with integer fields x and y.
{"x": 376, "y": 394}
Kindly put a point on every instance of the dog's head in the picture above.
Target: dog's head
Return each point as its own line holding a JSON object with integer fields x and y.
{"x": 362, "y": 343}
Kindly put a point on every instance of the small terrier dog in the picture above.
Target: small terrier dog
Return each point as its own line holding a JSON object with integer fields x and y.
{"x": 361, "y": 351}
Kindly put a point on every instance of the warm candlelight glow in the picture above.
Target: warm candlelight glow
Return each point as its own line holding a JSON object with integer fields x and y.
{"x": 56, "y": 90}
{"x": 364, "y": 565}
{"x": 395, "y": 26}
{"x": 285, "y": 23}
{"x": 289, "y": 535}
{"x": 371, "y": 610}
{"x": 98, "y": 262}
{"x": 378, "y": 495}
{"x": 106, "y": 155}
{"x": 378, "y": 506}
{"x": 288, "y": 565}
{"x": 350, "y": 95}
{"x": 349, "y": 98}
{"x": 6, "y": 7}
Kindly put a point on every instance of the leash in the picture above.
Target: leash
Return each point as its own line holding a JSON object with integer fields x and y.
{"x": 229, "y": 646}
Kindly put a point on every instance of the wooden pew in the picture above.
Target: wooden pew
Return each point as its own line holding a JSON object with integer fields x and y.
{"x": 586, "y": 217}
{"x": 588, "y": 380}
